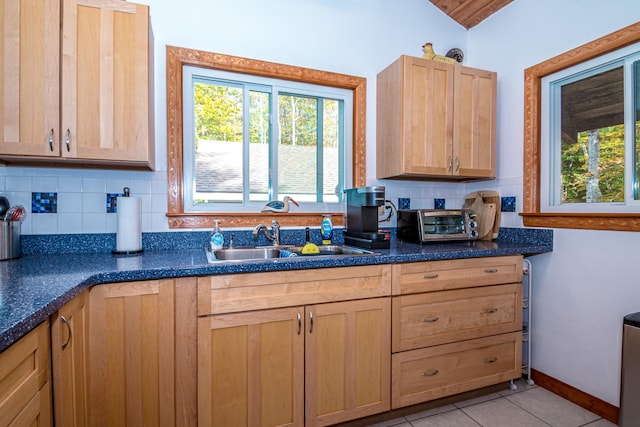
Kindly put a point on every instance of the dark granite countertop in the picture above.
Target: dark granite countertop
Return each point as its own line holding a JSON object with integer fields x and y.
{"x": 34, "y": 286}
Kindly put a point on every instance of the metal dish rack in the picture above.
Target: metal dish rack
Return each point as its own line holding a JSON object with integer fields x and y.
{"x": 527, "y": 301}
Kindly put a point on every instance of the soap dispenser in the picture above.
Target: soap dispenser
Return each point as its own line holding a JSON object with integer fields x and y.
{"x": 217, "y": 239}
{"x": 326, "y": 229}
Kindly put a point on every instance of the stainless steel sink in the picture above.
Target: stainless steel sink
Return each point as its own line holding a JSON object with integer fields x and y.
{"x": 270, "y": 252}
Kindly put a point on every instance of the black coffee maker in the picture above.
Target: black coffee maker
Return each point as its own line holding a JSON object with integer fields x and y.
{"x": 362, "y": 218}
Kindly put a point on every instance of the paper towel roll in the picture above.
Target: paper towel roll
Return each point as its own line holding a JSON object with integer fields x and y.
{"x": 129, "y": 228}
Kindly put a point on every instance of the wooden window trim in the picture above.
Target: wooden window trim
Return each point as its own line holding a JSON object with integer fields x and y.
{"x": 532, "y": 216}
{"x": 177, "y": 58}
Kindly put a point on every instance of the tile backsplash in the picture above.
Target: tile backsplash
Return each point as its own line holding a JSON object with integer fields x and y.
{"x": 75, "y": 201}
{"x": 71, "y": 201}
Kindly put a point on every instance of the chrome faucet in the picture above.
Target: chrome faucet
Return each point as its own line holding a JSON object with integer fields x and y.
{"x": 275, "y": 229}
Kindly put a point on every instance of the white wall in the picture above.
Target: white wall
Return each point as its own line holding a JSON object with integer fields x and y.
{"x": 585, "y": 287}
{"x": 358, "y": 37}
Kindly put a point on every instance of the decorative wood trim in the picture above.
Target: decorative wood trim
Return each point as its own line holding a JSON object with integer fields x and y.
{"x": 531, "y": 183}
{"x": 591, "y": 403}
{"x": 587, "y": 221}
{"x": 177, "y": 58}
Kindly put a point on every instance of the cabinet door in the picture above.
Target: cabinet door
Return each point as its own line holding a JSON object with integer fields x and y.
{"x": 251, "y": 369}
{"x": 347, "y": 360}
{"x": 428, "y": 117}
{"x": 105, "y": 81}
{"x": 25, "y": 386}
{"x": 141, "y": 334}
{"x": 29, "y": 82}
{"x": 474, "y": 132}
{"x": 68, "y": 331}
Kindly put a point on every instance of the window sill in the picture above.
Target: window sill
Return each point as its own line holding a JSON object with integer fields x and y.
{"x": 584, "y": 221}
{"x": 206, "y": 219}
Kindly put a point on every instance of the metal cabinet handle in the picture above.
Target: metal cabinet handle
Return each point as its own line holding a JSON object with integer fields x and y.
{"x": 66, "y": 323}
{"x": 450, "y": 164}
{"x": 67, "y": 137}
{"x": 430, "y": 320}
{"x": 457, "y": 164}
{"x": 491, "y": 270}
{"x": 430, "y": 373}
{"x": 310, "y": 322}
{"x": 51, "y": 137}
{"x": 430, "y": 276}
{"x": 491, "y": 310}
{"x": 299, "y": 324}
{"x": 492, "y": 360}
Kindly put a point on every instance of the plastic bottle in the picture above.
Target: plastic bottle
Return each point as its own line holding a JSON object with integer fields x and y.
{"x": 217, "y": 239}
{"x": 326, "y": 229}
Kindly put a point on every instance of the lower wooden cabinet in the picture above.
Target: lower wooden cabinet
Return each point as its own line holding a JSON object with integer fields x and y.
{"x": 69, "y": 363}
{"x": 271, "y": 367}
{"x": 457, "y": 326}
{"x": 141, "y": 353}
{"x": 25, "y": 386}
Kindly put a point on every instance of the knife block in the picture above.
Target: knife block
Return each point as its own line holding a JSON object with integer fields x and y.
{"x": 488, "y": 197}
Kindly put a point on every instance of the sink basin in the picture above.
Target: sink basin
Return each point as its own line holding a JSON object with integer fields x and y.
{"x": 270, "y": 252}
{"x": 240, "y": 254}
{"x": 332, "y": 250}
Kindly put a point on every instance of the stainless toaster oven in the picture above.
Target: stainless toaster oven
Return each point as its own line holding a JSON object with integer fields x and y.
{"x": 432, "y": 225}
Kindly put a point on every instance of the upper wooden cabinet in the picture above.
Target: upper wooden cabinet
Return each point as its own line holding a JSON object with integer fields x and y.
{"x": 85, "y": 99}
{"x": 435, "y": 121}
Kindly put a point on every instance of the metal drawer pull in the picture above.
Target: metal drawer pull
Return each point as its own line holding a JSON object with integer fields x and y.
{"x": 66, "y": 323}
{"x": 431, "y": 276}
{"x": 430, "y": 373}
{"x": 492, "y": 360}
{"x": 491, "y": 310}
{"x": 430, "y": 320}
{"x": 493, "y": 270}
{"x": 51, "y": 136}
{"x": 299, "y": 324}
{"x": 310, "y": 322}
{"x": 67, "y": 137}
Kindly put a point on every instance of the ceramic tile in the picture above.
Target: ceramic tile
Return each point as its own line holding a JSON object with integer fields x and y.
{"x": 455, "y": 418}
{"x": 601, "y": 423}
{"x": 552, "y": 408}
{"x": 502, "y": 413}
{"x": 477, "y": 400}
{"x": 430, "y": 412}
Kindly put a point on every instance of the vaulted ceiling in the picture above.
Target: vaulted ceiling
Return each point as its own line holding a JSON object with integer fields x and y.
{"x": 469, "y": 13}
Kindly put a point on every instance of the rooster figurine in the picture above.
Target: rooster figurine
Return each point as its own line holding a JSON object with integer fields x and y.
{"x": 279, "y": 206}
{"x": 427, "y": 48}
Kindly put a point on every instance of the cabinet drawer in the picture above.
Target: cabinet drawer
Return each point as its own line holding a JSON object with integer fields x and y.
{"x": 455, "y": 274}
{"x": 24, "y": 370}
{"x": 257, "y": 291}
{"x": 444, "y": 370}
{"x": 421, "y": 320}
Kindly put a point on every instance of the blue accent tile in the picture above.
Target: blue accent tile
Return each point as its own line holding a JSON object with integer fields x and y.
{"x": 112, "y": 202}
{"x": 438, "y": 203}
{"x": 508, "y": 204}
{"x": 404, "y": 203}
{"x": 44, "y": 202}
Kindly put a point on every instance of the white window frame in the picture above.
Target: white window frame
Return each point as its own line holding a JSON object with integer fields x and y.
{"x": 550, "y": 180}
{"x": 277, "y": 86}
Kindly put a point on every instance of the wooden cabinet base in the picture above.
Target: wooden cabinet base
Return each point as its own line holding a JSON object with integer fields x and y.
{"x": 439, "y": 371}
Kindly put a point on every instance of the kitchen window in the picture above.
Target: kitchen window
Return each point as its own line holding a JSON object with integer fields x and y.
{"x": 235, "y": 210}
{"x": 250, "y": 139}
{"x": 540, "y": 168}
{"x": 589, "y": 135}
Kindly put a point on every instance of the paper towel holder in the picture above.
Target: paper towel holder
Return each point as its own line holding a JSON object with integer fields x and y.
{"x": 126, "y": 193}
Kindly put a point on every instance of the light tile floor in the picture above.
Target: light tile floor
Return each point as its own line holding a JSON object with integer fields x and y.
{"x": 527, "y": 406}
